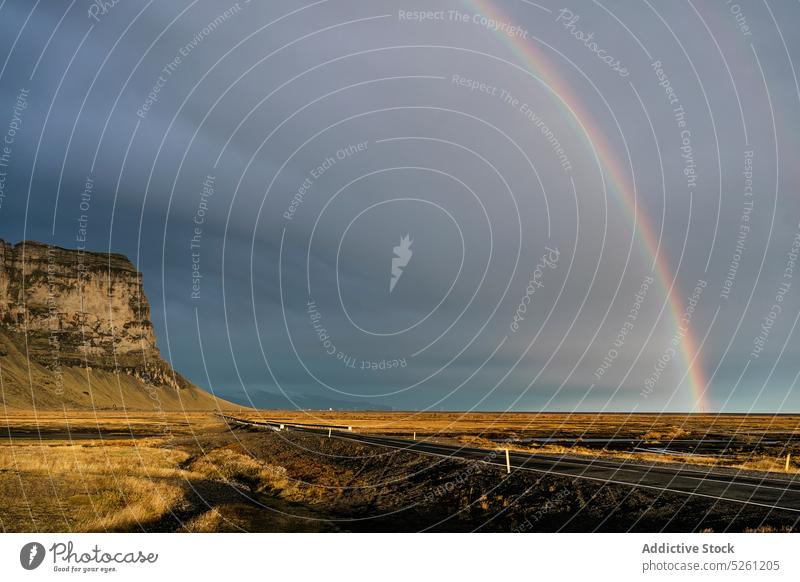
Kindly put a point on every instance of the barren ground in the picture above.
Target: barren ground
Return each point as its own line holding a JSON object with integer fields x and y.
{"x": 191, "y": 472}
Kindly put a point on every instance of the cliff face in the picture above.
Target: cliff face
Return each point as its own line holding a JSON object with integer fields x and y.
{"x": 67, "y": 311}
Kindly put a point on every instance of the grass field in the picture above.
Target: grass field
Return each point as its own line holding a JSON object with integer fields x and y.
{"x": 118, "y": 472}
{"x": 86, "y": 471}
{"x": 566, "y": 425}
{"x": 753, "y": 442}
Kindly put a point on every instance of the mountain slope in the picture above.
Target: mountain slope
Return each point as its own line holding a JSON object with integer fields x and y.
{"x": 75, "y": 332}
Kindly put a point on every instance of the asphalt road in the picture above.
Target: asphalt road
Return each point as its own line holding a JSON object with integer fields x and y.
{"x": 782, "y": 494}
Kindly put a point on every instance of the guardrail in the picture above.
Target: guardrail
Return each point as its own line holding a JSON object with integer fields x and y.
{"x": 276, "y": 424}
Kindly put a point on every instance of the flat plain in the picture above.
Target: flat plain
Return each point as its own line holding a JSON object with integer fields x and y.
{"x": 136, "y": 471}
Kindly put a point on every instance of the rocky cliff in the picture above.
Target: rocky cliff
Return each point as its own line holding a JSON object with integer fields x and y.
{"x": 75, "y": 330}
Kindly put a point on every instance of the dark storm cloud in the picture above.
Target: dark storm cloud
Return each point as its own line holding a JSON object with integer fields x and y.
{"x": 172, "y": 88}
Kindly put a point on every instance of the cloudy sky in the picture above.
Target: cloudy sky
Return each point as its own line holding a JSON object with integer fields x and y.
{"x": 600, "y": 200}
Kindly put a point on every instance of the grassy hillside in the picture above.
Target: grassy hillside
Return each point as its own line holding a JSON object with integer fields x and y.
{"x": 26, "y": 384}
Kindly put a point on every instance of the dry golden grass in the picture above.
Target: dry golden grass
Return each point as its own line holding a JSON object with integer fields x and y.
{"x": 231, "y": 466}
{"x": 666, "y": 433}
{"x": 533, "y": 424}
{"x": 91, "y": 486}
{"x": 743, "y": 461}
{"x": 768, "y": 529}
{"x": 145, "y": 465}
{"x": 137, "y": 501}
{"x": 486, "y": 430}
{"x": 117, "y": 458}
{"x": 764, "y": 464}
{"x": 134, "y": 476}
{"x": 154, "y": 424}
{"x": 208, "y": 522}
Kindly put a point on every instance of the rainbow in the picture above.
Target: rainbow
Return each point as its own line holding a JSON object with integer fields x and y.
{"x": 569, "y": 102}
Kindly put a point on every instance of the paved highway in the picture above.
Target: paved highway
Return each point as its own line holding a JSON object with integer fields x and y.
{"x": 766, "y": 491}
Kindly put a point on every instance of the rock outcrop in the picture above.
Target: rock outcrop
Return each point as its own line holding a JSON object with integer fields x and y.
{"x": 75, "y": 330}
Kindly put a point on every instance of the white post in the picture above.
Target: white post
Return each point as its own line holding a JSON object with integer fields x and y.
{"x": 414, "y": 437}
{"x": 329, "y": 433}
{"x": 788, "y": 458}
{"x": 508, "y": 462}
